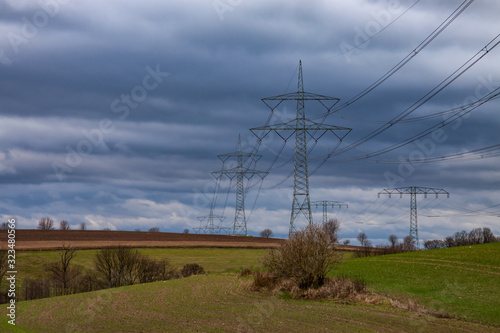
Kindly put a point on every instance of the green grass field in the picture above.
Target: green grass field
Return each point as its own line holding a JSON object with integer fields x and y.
{"x": 216, "y": 303}
{"x": 463, "y": 282}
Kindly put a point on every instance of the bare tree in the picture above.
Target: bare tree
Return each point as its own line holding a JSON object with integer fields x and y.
{"x": 4, "y": 226}
{"x": 488, "y": 236}
{"x": 266, "y": 233}
{"x": 83, "y": 226}
{"x": 434, "y": 244}
{"x": 476, "y": 236}
{"x": 64, "y": 225}
{"x": 332, "y": 228}
{"x": 118, "y": 267}
{"x": 46, "y": 223}
{"x": 346, "y": 242}
{"x": 362, "y": 238}
{"x": 154, "y": 229}
{"x": 61, "y": 270}
{"x": 393, "y": 239}
{"x": 409, "y": 243}
{"x": 186, "y": 231}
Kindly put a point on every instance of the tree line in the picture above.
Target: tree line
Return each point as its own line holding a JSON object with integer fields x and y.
{"x": 463, "y": 238}
{"x": 112, "y": 267}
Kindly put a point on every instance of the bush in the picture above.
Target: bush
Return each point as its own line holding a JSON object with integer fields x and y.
{"x": 304, "y": 258}
{"x": 246, "y": 271}
{"x": 192, "y": 269}
{"x": 151, "y": 270}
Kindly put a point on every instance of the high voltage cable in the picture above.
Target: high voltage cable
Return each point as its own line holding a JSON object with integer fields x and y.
{"x": 481, "y": 153}
{"x": 442, "y": 85}
{"x": 374, "y": 35}
{"x": 406, "y": 59}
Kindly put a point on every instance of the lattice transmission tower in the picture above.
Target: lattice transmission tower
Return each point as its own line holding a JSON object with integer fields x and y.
{"x": 240, "y": 172}
{"x": 413, "y": 191}
{"x": 303, "y": 129}
{"x": 325, "y": 204}
{"x": 208, "y": 224}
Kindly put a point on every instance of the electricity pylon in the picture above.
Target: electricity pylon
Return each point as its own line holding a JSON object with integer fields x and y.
{"x": 413, "y": 191}
{"x": 325, "y": 204}
{"x": 240, "y": 172}
{"x": 208, "y": 226}
{"x": 303, "y": 128}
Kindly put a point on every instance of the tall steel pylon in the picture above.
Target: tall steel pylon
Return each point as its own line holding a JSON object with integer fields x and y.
{"x": 325, "y": 204}
{"x": 413, "y": 191}
{"x": 303, "y": 128}
{"x": 240, "y": 172}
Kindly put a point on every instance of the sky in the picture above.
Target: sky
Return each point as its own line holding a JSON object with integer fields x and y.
{"x": 113, "y": 113}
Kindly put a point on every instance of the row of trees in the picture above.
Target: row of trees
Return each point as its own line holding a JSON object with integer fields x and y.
{"x": 46, "y": 223}
{"x": 462, "y": 238}
{"x": 112, "y": 267}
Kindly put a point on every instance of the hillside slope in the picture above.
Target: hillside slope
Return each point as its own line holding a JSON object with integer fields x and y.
{"x": 216, "y": 303}
{"x": 462, "y": 281}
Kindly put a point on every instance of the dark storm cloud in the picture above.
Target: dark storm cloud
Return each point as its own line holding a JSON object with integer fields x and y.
{"x": 137, "y": 149}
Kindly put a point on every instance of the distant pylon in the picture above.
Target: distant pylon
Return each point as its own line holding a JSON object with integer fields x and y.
{"x": 240, "y": 172}
{"x": 303, "y": 128}
{"x": 325, "y": 204}
{"x": 413, "y": 191}
{"x": 208, "y": 226}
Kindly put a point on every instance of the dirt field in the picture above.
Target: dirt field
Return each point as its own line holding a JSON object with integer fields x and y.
{"x": 27, "y": 239}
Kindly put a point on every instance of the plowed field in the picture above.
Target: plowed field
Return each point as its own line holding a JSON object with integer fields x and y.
{"x": 52, "y": 239}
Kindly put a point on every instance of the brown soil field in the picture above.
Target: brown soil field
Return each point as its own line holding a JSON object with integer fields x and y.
{"x": 28, "y": 239}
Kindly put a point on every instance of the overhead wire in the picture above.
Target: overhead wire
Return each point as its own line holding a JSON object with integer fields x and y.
{"x": 424, "y": 99}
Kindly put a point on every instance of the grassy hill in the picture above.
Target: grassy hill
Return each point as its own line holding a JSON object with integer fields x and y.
{"x": 216, "y": 303}
{"x": 461, "y": 281}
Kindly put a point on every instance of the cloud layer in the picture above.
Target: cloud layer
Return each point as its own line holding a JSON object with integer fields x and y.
{"x": 113, "y": 113}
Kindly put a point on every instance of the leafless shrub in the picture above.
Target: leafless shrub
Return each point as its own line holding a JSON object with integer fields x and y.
{"x": 185, "y": 231}
{"x": 117, "y": 267}
{"x": 154, "y": 229}
{"x": 151, "y": 270}
{"x": 266, "y": 233}
{"x": 192, "y": 269}
{"x": 83, "y": 226}
{"x": 245, "y": 271}
{"x": 339, "y": 287}
{"x": 46, "y": 223}
{"x": 304, "y": 258}
{"x": 265, "y": 279}
{"x": 4, "y": 226}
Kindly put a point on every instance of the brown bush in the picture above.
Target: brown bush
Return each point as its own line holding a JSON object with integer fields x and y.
{"x": 192, "y": 269}
{"x": 304, "y": 258}
{"x": 246, "y": 271}
{"x": 264, "y": 279}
